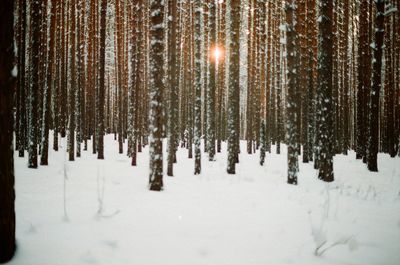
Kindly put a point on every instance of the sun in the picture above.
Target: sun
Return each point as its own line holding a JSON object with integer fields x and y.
{"x": 217, "y": 53}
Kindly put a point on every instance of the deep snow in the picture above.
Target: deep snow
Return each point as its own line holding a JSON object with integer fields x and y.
{"x": 251, "y": 218}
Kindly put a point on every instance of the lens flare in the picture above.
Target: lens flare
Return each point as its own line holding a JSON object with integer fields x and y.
{"x": 217, "y": 53}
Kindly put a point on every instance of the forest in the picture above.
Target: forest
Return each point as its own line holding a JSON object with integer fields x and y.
{"x": 200, "y": 132}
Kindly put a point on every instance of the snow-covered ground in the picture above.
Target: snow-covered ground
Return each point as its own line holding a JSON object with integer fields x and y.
{"x": 251, "y": 218}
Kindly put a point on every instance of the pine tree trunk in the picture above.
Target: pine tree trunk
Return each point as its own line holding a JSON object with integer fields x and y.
{"x": 324, "y": 92}
{"x": 363, "y": 79}
{"x": 197, "y": 88}
{"x": 346, "y": 78}
{"x": 250, "y": 77}
{"x": 234, "y": 88}
{"x": 292, "y": 102}
{"x": 72, "y": 91}
{"x": 156, "y": 94}
{"x": 34, "y": 85}
{"x": 64, "y": 67}
{"x": 79, "y": 106}
{"x": 101, "y": 89}
{"x": 7, "y": 193}
{"x": 173, "y": 90}
{"x": 49, "y": 87}
{"x": 263, "y": 143}
{"x": 373, "y": 141}
{"x": 21, "y": 106}
{"x": 211, "y": 81}
{"x": 119, "y": 65}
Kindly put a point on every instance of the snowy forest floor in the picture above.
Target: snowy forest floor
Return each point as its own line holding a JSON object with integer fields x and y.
{"x": 251, "y": 218}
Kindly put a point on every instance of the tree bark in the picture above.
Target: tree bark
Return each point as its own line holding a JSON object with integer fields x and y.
{"x": 324, "y": 92}
{"x": 197, "y": 88}
{"x": 373, "y": 141}
{"x": 156, "y": 93}
{"x": 100, "y": 96}
{"x": 34, "y": 86}
{"x": 7, "y": 193}
{"x": 292, "y": 100}
{"x": 234, "y": 88}
{"x": 49, "y": 87}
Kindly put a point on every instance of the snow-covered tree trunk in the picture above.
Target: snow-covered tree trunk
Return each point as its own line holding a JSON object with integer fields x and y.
{"x": 206, "y": 56}
{"x": 311, "y": 40}
{"x": 79, "y": 104}
{"x": 302, "y": 78}
{"x": 279, "y": 85}
{"x": 156, "y": 88}
{"x": 263, "y": 143}
{"x": 173, "y": 89}
{"x": 141, "y": 84}
{"x": 197, "y": 86}
{"x": 189, "y": 104}
{"x": 92, "y": 56}
{"x": 260, "y": 69}
{"x": 49, "y": 87}
{"x": 363, "y": 79}
{"x": 101, "y": 88}
{"x": 324, "y": 92}
{"x": 43, "y": 41}
{"x": 373, "y": 136}
{"x": 234, "y": 88}
{"x": 251, "y": 64}
{"x": 72, "y": 80}
{"x": 64, "y": 76}
{"x": 21, "y": 88}
{"x": 335, "y": 75}
{"x": 391, "y": 111}
{"x": 292, "y": 129}
{"x": 211, "y": 80}
{"x": 220, "y": 76}
{"x": 134, "y": 81}
{"x": 346, "y": 78}
{"x": 268, "y": 101}
{"x": 34, "y": 83}
{"x": 119, "y": 65}
{"x": 271, "y": 122}
{"x": 58, "y": 81}
{"x": 397, "y": 83}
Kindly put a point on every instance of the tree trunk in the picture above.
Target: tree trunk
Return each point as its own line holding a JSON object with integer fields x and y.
{"x": 234, "y": 88}
{"x": 72, "y": 91}
{"x": 49, "y": 87}
{"x": 324, "y": 92}
{"x": 292, "y": 99}
{"x": 363, "y": 79}
{"x": 173, "y": 88}
{"x": 156, "y": 93}
{"x": 21, "y": 93}
{"x": 7, "y": 193}
{"x": 373, "y": 141}
{"x": 34, "y": 86}
{"x": 100, "y": 96}
{"x": 211, "y": 80}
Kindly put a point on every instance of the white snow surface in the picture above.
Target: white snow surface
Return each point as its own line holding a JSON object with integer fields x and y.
{"x": 251, "y": 218}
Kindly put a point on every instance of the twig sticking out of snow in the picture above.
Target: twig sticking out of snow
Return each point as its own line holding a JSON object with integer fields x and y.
{"x": 100, "y": 192}
{"x": 101, "y": 185}
{"x": 109, "y": 215}
{"x": 319, "y": 250}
